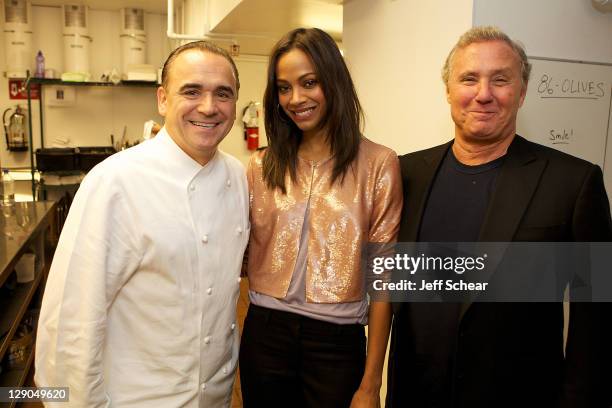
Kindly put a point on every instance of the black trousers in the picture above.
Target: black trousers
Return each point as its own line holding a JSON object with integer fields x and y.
{"x": 289, "y": 360}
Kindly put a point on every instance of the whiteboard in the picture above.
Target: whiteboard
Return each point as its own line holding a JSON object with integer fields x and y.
{"x": 567, "y": 107}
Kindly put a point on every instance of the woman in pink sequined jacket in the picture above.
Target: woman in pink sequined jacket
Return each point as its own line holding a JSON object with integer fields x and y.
{"x": 318, "y": 194}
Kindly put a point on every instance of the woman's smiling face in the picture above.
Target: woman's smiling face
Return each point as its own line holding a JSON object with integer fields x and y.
{"x": 300, "y": 94}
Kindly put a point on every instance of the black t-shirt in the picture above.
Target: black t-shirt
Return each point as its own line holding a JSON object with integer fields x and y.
{"x": 458, "y": 201}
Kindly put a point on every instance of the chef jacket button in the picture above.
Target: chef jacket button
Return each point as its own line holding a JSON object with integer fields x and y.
{"x": 207, "y": 340}
{"x": 192, "y": 188}
{"x": 203, "y": 386}
{"x": 224, "y": 370}
{"x": 233, "y": 326}
{"x": 205, "y": 239}
{"x": 209, "y": 291}
{"x": 228, "y": 182}
{"x": 239, "y": 230}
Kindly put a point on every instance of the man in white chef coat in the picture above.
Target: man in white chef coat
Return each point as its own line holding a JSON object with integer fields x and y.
{"x": 139, "y": 308}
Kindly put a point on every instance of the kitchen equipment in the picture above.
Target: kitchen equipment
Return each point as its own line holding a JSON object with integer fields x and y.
{"x": 76, "y": 38}
{"x": 18, "y": 37}
{"x": 151, "y": 128}
{"x": 133, "y": 39}
{"x": 15, "y": 130}
{"x": 88, "y": 157}
{"x": 71, "y": 159}
{"x": 49, "y": 73}
{"x": 140, "y": 72}
{"x": 20, "y": 347}
{"x": 40, "y": 65}
{"x": 24, "y": 269}
{"x": 56, "y": 159}
{"x": 7, "y": 195}
{"x": 123, "y": 141}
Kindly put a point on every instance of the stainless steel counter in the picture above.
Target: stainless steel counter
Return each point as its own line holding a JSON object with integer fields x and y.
{"x": 23, "y": 228}
{"x": 19, "y": 223}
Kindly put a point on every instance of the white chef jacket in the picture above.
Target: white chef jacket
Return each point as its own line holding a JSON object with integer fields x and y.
{"x": 140, "y": 304}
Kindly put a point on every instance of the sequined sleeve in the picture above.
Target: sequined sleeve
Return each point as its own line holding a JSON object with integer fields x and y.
{"x": 388, "y": 199}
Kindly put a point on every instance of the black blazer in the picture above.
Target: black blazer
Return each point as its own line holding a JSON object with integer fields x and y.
{"x": 508, "y": 354}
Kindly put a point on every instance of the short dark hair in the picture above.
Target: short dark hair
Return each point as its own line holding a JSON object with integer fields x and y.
{"x": 342, "y": 119}
{"x": 204, "y": 46}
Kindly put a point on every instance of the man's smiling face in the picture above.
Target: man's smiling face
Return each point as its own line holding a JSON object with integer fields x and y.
{"x": 485, "y": 91}
{"x": 199, "y": 102}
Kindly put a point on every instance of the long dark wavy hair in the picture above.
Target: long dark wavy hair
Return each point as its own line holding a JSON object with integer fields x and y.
{"x": 342, "y": 119}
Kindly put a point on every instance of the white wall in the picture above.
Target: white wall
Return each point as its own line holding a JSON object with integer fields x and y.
{"x": 395, "y": 50}
{"x": 567, "y": 29}
{"x": 252, "y": 71}
{"x": 219, "y": 9}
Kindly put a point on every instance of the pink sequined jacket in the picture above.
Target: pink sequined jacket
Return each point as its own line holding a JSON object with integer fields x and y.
{"x": 343, "y": 217}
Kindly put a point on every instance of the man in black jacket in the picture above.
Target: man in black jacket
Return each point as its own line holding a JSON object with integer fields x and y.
{"x": 490, "y": 185}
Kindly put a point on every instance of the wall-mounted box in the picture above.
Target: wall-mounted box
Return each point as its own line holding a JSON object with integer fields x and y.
{"x": 60, "y": 96}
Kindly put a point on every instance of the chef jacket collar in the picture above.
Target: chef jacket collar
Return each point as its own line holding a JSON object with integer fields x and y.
{"x": 180, "y": 162}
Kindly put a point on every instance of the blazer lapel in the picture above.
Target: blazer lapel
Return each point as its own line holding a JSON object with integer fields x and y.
{"x": 417, "y": 180}
{"x": 416, "y": 191}
{"x": 518, "y": 180}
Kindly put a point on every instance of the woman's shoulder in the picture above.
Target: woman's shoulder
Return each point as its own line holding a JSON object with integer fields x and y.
{"x": 372, "y": 150}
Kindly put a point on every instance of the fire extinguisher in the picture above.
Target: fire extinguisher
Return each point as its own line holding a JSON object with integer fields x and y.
{"x": 250, "y": 120}
{"x": 15, "y": 130}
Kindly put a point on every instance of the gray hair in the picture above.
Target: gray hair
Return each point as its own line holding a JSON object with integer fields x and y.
{"x": 483, "y": 34}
